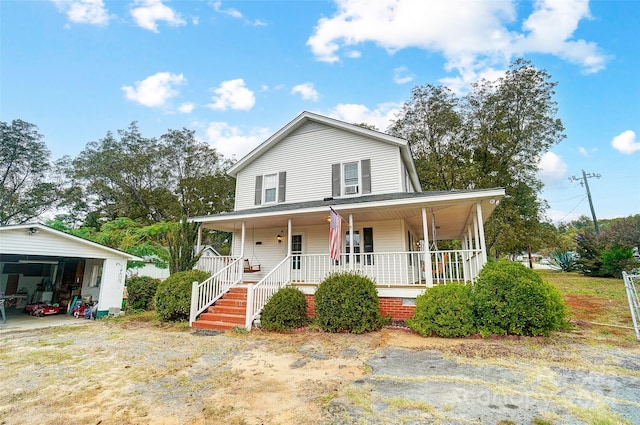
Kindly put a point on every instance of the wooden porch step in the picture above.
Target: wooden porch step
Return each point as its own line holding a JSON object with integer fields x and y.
{"x": 212, "y": 326}
{"x": 227, "y": 312}
{"x": 228, "y": 309}
{"x": 236, "y": 319}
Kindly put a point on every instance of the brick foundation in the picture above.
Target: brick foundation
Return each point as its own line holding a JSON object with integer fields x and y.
{"x": 392, "y": 306}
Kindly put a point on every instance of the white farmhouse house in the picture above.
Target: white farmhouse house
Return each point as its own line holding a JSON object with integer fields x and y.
{"x": 39, "y": 264}
{"x": 390, "y": 229}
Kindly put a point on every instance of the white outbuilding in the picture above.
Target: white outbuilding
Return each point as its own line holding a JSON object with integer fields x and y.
{"x": 39, "y": 264}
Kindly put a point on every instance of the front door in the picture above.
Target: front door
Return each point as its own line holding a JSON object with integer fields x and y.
{"x": 296, "y": 258}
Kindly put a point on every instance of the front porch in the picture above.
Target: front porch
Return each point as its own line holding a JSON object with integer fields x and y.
{"x": 415, "y": 222}
{"x": 399, "y": 275}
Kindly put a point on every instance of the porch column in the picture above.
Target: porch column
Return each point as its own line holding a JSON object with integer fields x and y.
{"x": 199, "y": 238}
{"x": 483, "y": 245}
{"x": 351, "y": 256}
{"x": 427, "y": 252}
{"x": 473, "y": 245}
{"x": 465, "y": 258}
{"x": 289, "y": 240}
{"x": 289, "y": 248}
{"x": 242, "y": 240}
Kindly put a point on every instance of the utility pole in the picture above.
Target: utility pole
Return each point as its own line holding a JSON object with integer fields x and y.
{"x": 585, "y": 183}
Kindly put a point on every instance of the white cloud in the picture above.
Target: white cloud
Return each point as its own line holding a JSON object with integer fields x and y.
{"x": 552, "y": 170}
{"x": 186, "y": 108}
{"x": 626, "y": 143}
{"x": 306, "y": 91}
{"x": 231, "y": 142}
{"x": 233, "y": 94}
{"x": 402, "y": 75}
{"x": 217, "y": 6}
{"x": 154, "y": 91}
{"x": 550, "y": 28}
{"x": 380, "y": 117}
{"x": 147, "y": 14}
{"x": 91, "y": 12}
{"x": 471, "y": 35}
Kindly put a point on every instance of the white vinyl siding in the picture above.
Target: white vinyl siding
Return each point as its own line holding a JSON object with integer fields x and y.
{"x": 19, "y": 242}
{"x": 310, "y": 180}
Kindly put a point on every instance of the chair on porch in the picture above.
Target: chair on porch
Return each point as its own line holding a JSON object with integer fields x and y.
{"x": 248, "y": 268}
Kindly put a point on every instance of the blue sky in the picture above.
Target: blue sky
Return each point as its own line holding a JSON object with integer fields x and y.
{"x": 237, "y": 71}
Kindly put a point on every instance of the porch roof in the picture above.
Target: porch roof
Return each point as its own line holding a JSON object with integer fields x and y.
{"x": 452, "y": 211}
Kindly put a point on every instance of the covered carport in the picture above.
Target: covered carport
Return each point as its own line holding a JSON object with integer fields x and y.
{"x": 39, "y": 264}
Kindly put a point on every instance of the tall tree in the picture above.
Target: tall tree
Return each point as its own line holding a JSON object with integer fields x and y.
{"x": 494, "y": 136}
{"x": 24, "y": 166}
{"x": 150, "y": 180}
{"x": 432, "y": 122}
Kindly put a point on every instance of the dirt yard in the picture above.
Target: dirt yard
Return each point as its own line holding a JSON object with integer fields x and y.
{"x": 137, "y": 373}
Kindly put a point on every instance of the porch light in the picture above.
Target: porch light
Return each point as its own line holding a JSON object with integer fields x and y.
{"x": 279, "y": 238}
{"x": 32, "y": 231}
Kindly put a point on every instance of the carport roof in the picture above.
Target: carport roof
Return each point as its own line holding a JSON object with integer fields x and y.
{"x": 39, "y": 227}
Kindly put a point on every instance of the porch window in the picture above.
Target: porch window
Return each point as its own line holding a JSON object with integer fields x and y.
{"x": 270, "y": 187}
{"x": 356, "y": 245}
{"x": 367, "y": 246}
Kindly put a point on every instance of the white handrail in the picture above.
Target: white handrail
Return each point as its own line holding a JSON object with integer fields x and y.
{"x": 205, "y": 293}
{"x": 634, "y": 300}
{"x": 261, "y": 292}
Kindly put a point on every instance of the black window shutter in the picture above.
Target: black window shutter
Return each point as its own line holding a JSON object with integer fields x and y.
{"x": 366, "y": 175}
{"x": 367, "y": 235}
{"x": 282, "y": 186}
{"x": 258, "y": 193}
{"x": 335, "y": 180}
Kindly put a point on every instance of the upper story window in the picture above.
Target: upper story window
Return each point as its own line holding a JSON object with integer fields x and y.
{"x": 270, "y": 188}
{"x": 351, "y": 178}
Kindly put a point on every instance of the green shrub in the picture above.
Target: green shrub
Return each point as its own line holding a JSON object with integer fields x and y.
{"x": 348, "y": 302}
{"x": 616, "y": 260}
{"x": 511, "y": 299}
{"x": 140, "y": 292}
{"x": 286, "y": 310}
{"x": 444, "y": 310}
{"x": 173, "y": 297}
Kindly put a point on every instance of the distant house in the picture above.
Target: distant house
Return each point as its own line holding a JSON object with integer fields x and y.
{"x": 41, "y": 264}
{"x": 389, "y": 230}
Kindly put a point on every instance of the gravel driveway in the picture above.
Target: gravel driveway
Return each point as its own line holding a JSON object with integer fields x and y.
{"x": 138, "y": 373}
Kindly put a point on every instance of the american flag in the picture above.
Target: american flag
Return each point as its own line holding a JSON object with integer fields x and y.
{"x": 335, "y": 236}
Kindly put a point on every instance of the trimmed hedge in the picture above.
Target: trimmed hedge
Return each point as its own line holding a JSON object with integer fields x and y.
{"x": 444, "y": 310}
{"x": 348, "y": 302}
{"x": 285, "y": 311}
{"x": 173, "y": 297}
{"x": 140, "y": 292}
{"x": 511, "y": 299}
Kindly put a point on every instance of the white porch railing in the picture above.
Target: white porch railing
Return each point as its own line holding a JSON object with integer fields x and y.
{"x": 394, "y": 269}
{"x": 261, "y": 292}
{"x": 214, "y": 264}
{"x": 205, "y": 293}
{"x": 391, "y": 268}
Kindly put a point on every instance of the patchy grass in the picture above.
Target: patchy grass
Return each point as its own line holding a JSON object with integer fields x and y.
{"x": 594, "y": 301}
